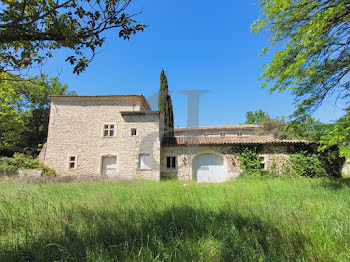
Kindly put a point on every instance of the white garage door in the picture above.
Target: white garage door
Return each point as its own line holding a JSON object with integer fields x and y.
{"x": 209, "y": 168}
{"x": 109, "y": 166}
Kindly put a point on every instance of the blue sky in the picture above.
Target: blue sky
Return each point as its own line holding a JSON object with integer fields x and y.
{"x": 200, "y": 45}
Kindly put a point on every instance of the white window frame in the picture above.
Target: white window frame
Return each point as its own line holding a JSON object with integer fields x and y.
{"x": 109, "y": 129}
{"x": 142, "y": 164}
{"x": 75, "y": 161}
{"x": 239, "y": 133}
{"x": 166, "y": 163}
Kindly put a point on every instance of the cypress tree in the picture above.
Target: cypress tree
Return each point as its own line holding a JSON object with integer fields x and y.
{"x": 170, "y": 122}
{"x": 165, "y": 106}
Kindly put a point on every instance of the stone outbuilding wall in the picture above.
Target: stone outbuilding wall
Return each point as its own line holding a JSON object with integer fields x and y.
{"x": 186, "y": 155}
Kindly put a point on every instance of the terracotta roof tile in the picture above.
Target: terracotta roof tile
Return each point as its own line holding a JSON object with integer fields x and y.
{"x": 226, "y": 140}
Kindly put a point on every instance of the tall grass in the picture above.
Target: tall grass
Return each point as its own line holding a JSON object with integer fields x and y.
{"x": 243, "y": 220}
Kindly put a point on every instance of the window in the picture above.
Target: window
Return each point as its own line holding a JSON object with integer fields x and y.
{"x": 144, "y": 161}
{"x": 171, "y": 162}
{"x": 72, "y": 162}
{"x": 108, "y": 130}
{"x": 222, "y": 134}
{"x": 240, "y": 134}
{"x": 133, "y": 132}
{"x": 262, "y": 162}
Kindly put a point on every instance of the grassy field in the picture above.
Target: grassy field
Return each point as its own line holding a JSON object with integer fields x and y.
{"x": 243, "y": 220}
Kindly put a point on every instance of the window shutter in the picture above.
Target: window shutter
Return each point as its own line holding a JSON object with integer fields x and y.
{"x": 173, "y": 162}
{"x": 168, "y": 162}
{"x": 144, "y": 161}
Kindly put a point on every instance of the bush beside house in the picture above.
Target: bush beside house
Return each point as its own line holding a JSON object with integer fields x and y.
{"x": 10, "y": 166}
{"x": 306, "y": 163}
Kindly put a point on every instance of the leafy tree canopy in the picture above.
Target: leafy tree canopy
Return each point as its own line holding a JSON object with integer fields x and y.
{"x": 24, "y": 112}
{"x": 307, "y": 127}
{"x": 313, "y": 57}
{"x": 31, "y": 29}
{"x": 11, "y": 119}
{"x": 255, "y": 117}
{"x": 275, "y": 127}
{"x": 338, "y": 134}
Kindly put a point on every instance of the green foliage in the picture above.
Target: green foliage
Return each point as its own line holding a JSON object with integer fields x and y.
{"x": 275, "y": 127}
{"x": 24, "y": 112}
{"x": 7, "y": 166}
{"x": 338, "y": 134}
{"x": 255, "y": 117}
{"x": 243, "y": 220}
{"x": 303, "y": 164}
{"x": 331, "y": 161}
{"x": 10, "y": 165}
{"x": 249, "y": 160}
{"x": 31, "y": 29}
{"x": 11, "y": 119}
{"x": 312, "y": 59}
{"x": 165, "y": 105}
{"x": 48, "y": 172}
{"x": 306, "y": 127}
{"x": 303, "y": 127}
{"x": 314, "y": 49}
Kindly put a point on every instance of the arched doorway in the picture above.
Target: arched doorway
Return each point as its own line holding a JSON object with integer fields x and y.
{"x": 209, "y": 168}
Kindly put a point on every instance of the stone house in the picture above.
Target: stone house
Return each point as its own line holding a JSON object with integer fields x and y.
{"x": 119, "y": 136}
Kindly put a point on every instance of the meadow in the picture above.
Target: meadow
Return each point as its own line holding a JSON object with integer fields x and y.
{"x": 249, "y": 219}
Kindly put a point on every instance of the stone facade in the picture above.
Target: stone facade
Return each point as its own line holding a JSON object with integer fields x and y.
{"x": 76, "y": 129}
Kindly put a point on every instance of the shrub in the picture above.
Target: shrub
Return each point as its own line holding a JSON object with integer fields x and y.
{"x": 48, "y": 172}
{"x": 303, "y": 164}
{"x": 331, "y": 161}
{"x": 10, "y": 165}
{"x": 250, "y": 161}
{"x": 7, "y": 166}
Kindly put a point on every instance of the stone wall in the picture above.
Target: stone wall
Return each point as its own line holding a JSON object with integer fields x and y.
{"x": 76, "y": 129}
{"x": 346, "y": 167}
{"x": 186, "y": 155}
{"x": 30, "y": 172}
